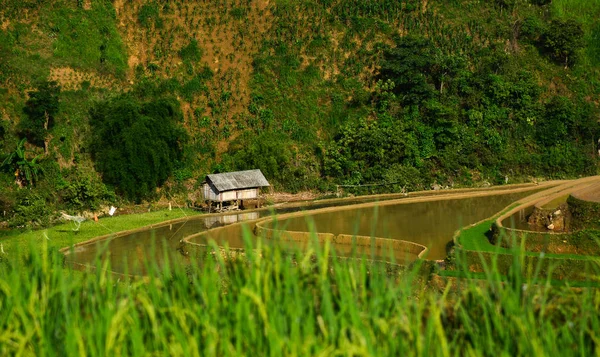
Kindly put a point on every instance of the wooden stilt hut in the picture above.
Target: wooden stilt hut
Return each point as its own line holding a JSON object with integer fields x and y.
{"x": 233, "y": 188}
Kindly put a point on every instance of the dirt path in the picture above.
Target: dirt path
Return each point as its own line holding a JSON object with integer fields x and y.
{"x": 588, "y": 187}
{"x": 590, "y": 193}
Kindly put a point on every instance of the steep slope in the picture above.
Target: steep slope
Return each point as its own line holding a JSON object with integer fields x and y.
{"x": 315, "y": 93}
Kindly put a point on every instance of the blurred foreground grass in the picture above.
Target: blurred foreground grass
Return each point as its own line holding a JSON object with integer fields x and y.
{"x": 274, "y": 303}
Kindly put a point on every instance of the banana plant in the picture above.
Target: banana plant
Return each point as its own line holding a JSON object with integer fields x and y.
{"x": 26, "y": 171}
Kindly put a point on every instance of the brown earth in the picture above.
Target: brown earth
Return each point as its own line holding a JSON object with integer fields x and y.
{"x": 540, "y": 198}
{"x": 71, "y": 79}
{"x": 591, "y": 193}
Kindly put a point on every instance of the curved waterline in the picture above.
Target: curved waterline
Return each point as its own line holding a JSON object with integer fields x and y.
{"x": 126, "y": 250}
{"x": 338, "y": 225}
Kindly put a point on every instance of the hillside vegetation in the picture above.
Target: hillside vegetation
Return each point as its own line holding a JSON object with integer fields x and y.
{"x": 118, "y": 98}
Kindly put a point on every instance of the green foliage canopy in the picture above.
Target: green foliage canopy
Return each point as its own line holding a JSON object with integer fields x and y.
{"x": 410, "y": 65}
{"x": 562, "y": 40}
{"x": 135, "y": 145}
{"x": 40, "y": 110}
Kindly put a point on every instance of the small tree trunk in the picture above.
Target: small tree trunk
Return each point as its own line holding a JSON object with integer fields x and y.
{"x": 46, "y": 139}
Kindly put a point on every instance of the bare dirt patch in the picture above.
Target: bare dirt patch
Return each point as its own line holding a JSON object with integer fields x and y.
{"x": 278, "y": 197}
{"x": 229, "y": 36}
{"x": 4, "y": 24}
{"x": 71, "y": 79}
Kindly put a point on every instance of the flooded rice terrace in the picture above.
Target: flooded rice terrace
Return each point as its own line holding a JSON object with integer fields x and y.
{"x": 430, "y": 223}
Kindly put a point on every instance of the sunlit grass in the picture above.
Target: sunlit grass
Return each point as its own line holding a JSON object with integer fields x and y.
{"x": 65, "y": 234}
{"x": 584, "y": 11}
{"x": 274, "y": 303}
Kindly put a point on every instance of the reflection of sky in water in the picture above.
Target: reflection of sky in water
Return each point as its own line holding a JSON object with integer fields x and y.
{"x": 429, "y": 223}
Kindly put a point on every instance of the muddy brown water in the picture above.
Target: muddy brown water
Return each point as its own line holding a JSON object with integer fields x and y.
{"x": 131, "y": 253}
{"x": 429, "y": 223}
{"x": 519, "y": 219}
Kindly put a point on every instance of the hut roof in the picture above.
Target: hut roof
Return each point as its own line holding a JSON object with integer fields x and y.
{"x": 238, "y": 180}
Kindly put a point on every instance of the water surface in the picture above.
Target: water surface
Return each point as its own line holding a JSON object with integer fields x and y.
{"x": 429, "y": 223}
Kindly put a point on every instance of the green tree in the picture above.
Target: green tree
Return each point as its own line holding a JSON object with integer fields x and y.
{"x": 84, "y": 190}
{"x": 558, "y": 121}
{"x": 562, "y": 40}
{"x": 410, "y": 65}
{"x": 136, "y": 145}
{"x": 363, "y": 151}
{"x": 40, "y": 110}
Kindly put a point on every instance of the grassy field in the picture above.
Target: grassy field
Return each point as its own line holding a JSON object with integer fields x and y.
{"x": 19, "y": 243}
{"x": 272, "y": 304}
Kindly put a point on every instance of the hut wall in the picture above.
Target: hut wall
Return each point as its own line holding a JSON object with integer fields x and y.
{"x": 229, "y": 196}
{"x": 247, "y": 194}
{"x": 210, "y": 193}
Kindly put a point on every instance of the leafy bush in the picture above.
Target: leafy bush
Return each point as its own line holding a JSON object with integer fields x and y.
{"x": 363, "y": 151}
{"x": 532, "y": 28}
{"x": 85, "y": 191}
{"x": 191, "y": 52}
{"x": 3, "y": 129}
{"x": 268, "y": 152}
{"x": 7, "y": 196}
{"x": 558, "y": 121}
{"x": 410, "y": 65}
{"x": 31, "y": 209}
{"x": 135, "y": 144}
{"x": 403, "y": 177}
{"x": 150, "y": 14}
{"x": 562, "y": 41}
{"x": 26, "y": 171}
{"x": 193, "y": 87}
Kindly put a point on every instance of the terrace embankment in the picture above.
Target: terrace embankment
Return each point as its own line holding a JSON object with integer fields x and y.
{"x": 501, "y": 243}
{"x": 398, "y": 231}
{"x": 564, "y": 213}
{"x": 423, "y": 219}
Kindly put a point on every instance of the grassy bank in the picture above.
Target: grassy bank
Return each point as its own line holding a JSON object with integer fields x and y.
{"x": 474, "y": 253}
{"x": 19, "y": 243}
{"x": 475, "y": 238}
{"x": 267, "y": 304}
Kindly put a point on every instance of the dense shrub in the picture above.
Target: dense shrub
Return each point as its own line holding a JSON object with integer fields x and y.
{"x": 191, "y": 52}
{"x": 84, "y": 191}
{"x": 3, "y": 129}
{"x": 562, "y": 41}
{"x": 31, "y": 209}
{"x": 363, "y": 151}
{"x": 135, "y": 144}
{"x": 149, "y": 14}
{"x": 40, "y": 110}
{"x": 411, "y": 65}
{"x": 7, "y": 196}
{"x": 276, "y": 157}
{"x": 404, "y": 177}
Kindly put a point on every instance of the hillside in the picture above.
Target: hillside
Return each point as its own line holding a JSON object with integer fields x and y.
{"x": 116, "y": 98}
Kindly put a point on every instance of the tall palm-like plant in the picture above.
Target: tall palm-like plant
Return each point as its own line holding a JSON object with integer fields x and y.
{"x": 26, "y": 171}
